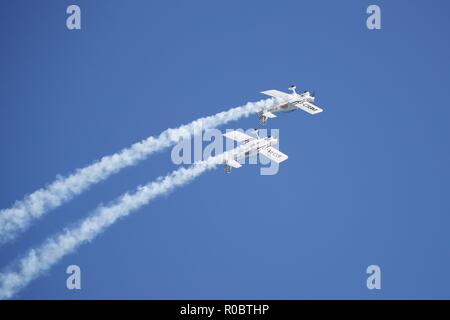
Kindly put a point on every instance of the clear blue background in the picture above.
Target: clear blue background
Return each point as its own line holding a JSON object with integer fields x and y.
{"x": 366, "y": 182}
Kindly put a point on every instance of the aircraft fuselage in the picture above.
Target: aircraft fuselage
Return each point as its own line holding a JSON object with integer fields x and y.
{"x": 290, "y": 105}
{"x": 252, "y": 147}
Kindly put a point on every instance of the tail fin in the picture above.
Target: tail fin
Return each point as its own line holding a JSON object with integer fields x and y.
{"x": 292, "y": 88}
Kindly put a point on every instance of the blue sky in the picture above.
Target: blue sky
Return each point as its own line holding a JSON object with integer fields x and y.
{"x": 366, "y": 181}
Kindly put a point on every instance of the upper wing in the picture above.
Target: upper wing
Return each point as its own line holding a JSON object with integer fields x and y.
{"x": 273, "y": 154}
{"x": 276, "y": 94}
{"x": 238, "y": 136}
{"x": 309, "y": 107}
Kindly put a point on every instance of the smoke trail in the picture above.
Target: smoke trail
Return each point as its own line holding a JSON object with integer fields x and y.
{"x": 40, "y": 259}
{"x": 63, "y": 189}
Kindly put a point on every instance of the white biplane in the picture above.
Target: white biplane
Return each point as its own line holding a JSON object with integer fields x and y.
{"x": 248, "y": 146}
{"x": 292, "y": 102}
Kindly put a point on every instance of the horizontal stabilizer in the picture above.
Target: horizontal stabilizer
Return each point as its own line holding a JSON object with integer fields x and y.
{"x": 268, "y": 114}
{"x": 273, "y": 154}
{"x": 233, "y": 163}
{"x": 309, "y": 107}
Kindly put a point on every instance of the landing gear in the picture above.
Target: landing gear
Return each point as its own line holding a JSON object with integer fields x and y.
{"x": 262, "y": 118}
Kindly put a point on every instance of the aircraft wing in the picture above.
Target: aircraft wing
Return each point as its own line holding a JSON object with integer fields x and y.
{"x": 309, "y": 107}
{"x": 276, "y": 94}
{"x": 238, "y": 136}
{"x": 273, "y": 154}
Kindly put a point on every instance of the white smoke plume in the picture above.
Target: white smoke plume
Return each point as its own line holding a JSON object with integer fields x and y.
{"x": 18, "y": 217}
{"x": 38, "y": 260}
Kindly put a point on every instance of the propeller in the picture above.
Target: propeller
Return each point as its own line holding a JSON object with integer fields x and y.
{"x": 313, "y": 93}
{"x": 257, "y": 133}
